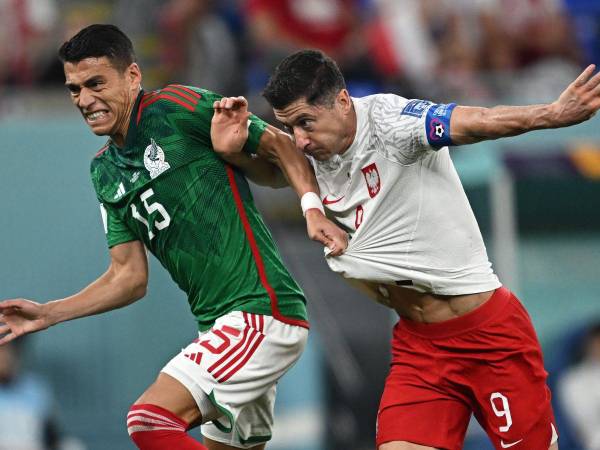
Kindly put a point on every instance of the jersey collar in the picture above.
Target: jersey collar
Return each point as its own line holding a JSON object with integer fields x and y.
{"x": 130, "y": 138}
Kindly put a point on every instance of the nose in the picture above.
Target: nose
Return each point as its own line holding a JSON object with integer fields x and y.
{"x": 85, "y": 99}
{"x": 301, "y": 138}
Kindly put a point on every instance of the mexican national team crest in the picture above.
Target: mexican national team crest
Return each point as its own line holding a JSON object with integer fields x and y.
{"x": 372, "y": 178}
{"x": 154, "y": 159}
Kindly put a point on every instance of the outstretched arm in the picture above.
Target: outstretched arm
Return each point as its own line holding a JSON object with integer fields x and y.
{"x": 123, "y": 283}
{"x": 278, "y": 161}
{"x": 578, "y": 103}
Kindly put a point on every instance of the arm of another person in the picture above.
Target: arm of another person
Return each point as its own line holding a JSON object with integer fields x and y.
{"x": 123, "y": 283}
{"x": 578, "y": 103}
{"x": 278, "y": 163}
{"x": 229, "y": 130}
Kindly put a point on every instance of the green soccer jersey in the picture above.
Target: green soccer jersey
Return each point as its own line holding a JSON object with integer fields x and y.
{"x": 167, "y": 188}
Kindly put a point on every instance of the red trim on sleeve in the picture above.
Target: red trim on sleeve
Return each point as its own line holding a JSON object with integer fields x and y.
{"x": 256, "y": 254}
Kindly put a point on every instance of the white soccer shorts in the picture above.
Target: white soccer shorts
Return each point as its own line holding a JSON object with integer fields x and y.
{"x": 236, "y": 364}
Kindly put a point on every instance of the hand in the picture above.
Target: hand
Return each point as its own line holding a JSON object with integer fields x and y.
{"x": 581, "y": 99}
{"x": 19, "y": 317}
{"x": 323, "y": 230}
{"x": 229, "y": 125}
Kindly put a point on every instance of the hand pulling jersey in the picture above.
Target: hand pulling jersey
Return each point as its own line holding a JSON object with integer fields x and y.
{"x": 167, "y": 188}
{"x": 397, "y": 193}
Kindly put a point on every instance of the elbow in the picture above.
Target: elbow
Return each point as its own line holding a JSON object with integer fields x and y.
{"x": 135, "y": 286}
{"x": 139, "y": 291}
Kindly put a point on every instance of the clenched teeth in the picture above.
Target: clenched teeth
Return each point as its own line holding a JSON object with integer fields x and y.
{"x": 95, "y": 115}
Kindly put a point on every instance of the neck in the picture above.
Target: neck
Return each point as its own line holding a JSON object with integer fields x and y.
{"x": 352, "y": 125}
{"x": 121, "y": 135}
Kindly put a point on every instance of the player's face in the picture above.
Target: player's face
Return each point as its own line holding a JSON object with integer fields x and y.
{"x": 320, "y": 130}
{"x": 103, "y": 94}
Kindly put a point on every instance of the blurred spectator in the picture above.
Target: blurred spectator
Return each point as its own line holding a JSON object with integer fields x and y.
{"x": 470, "y": 51}
{"x": 277, "y": 28}
{"x": 579, "y": 391}
{"x": 26, "y": 415}
{"x": 433, "y": 47}
{"x": 536, "y": 30}
{"x": 27, "y": 29}
{"x": 185, "y": 41}
{"x": 586, "y": 18}
{"x": 198, "y": 46}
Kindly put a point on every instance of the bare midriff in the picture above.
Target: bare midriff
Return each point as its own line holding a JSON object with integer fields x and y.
{"x": 421, "y": 306}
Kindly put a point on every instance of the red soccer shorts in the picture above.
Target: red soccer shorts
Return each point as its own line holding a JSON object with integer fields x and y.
{"x": 488, "y": 362}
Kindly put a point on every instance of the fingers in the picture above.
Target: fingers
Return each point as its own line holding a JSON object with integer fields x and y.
{"x": 335, "y": 244}
{"x": 8, "y": 305}
{"x": 6, "y": 339}
{"x": 585, "y": 75}
{"x": 231, "y": 103}
{"x": 594, "y": 82}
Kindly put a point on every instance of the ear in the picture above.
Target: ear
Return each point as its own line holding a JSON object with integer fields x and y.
{"x": 344, "y": 101}
{"x": 134, "y": 74}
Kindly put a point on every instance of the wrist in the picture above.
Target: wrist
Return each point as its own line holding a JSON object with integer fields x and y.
{"x": 49, "y": 314}
{"x": 309, "y": 201}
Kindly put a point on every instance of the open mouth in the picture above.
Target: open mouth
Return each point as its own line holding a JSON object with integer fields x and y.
{"x": 96, "y": 116}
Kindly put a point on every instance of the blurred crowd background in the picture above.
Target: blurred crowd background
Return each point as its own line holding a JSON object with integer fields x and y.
{"x": 536, "y": 198}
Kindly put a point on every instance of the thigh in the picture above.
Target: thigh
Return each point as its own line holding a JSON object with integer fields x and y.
{"x": 216, "y": 445}
{"x": 418, "y": 404}
{"x": 403, "y": 445}
{"x": 170, "y": 394}
{"x": 234, "y": 367}
{"x": 437, "y": 424}
{"x": 513, "y": 401}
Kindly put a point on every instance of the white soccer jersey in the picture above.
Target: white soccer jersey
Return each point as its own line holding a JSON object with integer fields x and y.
{"x": 402, "y": 202}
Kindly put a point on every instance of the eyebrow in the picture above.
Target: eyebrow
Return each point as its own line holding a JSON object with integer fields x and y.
{"x": 297, "y": 119}
{"x": 87, "y": 83}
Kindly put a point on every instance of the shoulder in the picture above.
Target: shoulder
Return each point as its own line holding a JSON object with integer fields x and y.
{"x": 100, "y": 165}
{"x": 175, "y": 97}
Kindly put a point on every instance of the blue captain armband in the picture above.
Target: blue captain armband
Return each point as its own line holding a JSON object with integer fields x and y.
{"x": 437, "y": 125}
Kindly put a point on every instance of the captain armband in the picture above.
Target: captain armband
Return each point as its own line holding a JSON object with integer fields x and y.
{"x": 437, "y": 125}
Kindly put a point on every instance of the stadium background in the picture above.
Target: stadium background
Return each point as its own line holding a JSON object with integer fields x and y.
{"x": 535, "y": 197}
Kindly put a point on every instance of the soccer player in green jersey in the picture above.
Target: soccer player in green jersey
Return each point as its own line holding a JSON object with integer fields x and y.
{"x": 163, "y": 188}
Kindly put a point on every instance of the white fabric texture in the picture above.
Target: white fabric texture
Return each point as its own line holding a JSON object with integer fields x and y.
{"x": 403, "y": 205}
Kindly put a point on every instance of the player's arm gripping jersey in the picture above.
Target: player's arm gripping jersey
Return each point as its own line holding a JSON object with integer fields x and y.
{"x": 168, "y": 188}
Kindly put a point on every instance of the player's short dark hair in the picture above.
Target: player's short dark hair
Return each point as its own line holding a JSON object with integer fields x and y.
{"x": 96, "y": 41}
{"x": 306, "y": 74}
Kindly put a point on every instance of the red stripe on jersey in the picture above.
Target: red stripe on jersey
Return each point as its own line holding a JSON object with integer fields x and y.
{"x": 163, "y": 97}
{"x": 102, "y": 150}
{"x": 177, "y": 90}
{"x": 256, "y": 254}
{"x": 186, "y": 89}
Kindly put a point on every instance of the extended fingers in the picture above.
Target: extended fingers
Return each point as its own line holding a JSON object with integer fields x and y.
{"x": 585, "y": 75}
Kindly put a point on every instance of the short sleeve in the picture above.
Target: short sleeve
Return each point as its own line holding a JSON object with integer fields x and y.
{"x": 411, "y": 128}
{"x": 117, "y": 232}
{"x": 195, "y": 111}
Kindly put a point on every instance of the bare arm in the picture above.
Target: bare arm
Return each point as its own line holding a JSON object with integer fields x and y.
{"x": 578, "y": 103}
{"x": 123, "y": 283}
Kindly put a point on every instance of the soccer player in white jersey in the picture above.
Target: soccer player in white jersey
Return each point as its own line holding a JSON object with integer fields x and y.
{"x": 464, "y": 343}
